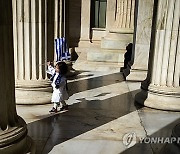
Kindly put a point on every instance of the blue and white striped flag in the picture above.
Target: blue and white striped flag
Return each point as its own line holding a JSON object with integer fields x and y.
{"x": 62, "y": 52}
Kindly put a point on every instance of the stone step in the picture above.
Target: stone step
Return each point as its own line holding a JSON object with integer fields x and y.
{"x": 105, "y": 55}
{"x": 97, "y": 66}
{"x": 83, "y": 64}
{"x": 116, "y": 41}
{"x": 136, "y": 75}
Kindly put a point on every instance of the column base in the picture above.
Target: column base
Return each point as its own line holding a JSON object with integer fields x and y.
{"x": 33, "y": 92}
{"x": 158, "y": 100}
{"x": 15, "y": 139}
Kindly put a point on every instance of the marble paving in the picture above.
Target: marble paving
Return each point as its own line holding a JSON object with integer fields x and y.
{"x": 101, "y": 111}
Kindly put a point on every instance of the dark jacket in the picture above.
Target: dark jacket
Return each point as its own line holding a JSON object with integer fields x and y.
{"x": 58, "y": 80}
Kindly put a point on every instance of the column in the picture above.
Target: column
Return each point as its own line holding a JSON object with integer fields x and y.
{"x": 142, "y": 36}
{"x": 13, "y": 130}
{"x": 124, "y": 14}
{"x": 85, "y": 23}
{"x": 121, "y": 33}
{"x": 30, "y": 51}
{"x": 161, "y": 89}
{"x": 110, "y": 13}
{"x": 58, "y": 18}
{"x": 51, "y": 20}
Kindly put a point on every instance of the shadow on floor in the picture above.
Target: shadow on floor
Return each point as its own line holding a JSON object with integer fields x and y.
{"x": 95, "y": 82}
{"x": 80, "y": 74}
{"x": 156, "y": 148}
{"x": 80, "y": 118}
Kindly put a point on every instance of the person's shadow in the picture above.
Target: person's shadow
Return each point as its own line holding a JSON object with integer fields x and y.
{"x": 127, "y": 56}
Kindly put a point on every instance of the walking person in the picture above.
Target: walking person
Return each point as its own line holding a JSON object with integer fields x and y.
{"x": 59, "y": 84}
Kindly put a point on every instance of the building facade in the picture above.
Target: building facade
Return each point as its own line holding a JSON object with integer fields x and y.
{"x": 104, "y": 27}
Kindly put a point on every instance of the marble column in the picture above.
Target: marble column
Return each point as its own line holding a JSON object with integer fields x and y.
{"x": 60, "y": 18}
{"x": 142, "y": 36}
{"x": 58, "y": 24}
{"x": 13, "y": 130}
{"x": 121, "y": 33}
{"x": 85, "y": 23}
{"x": 30, "y": 51}
{"x": 110, "y": 14}
{"x": 161, "y": 89}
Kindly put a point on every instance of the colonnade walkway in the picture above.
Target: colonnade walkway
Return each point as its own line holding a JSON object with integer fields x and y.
{"x": 101, "y": 112}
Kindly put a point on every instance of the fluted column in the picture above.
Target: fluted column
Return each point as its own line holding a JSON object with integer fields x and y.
{"x": 110, "y": 13}
{"x": 13, "y": 131}
{"x": 58, "y": 18}
{"x": 124, "y": 14}
{"x": 30, "y": 50}
{"x": 121, "y": 32}
{"x": 162, "y": 86}
{"x": 85, "y": 22}
{"x": 141, "y": 41}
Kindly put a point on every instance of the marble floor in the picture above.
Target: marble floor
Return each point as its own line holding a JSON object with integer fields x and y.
{"x": 101, "y": 111}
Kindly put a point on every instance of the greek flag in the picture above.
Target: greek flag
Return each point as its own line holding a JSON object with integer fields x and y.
{"x": 62, "y": 52}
